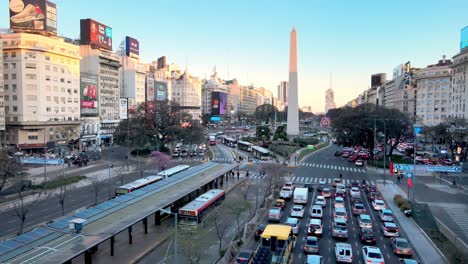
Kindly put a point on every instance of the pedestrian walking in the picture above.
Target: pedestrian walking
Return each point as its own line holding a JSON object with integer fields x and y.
{"x": 341, "y": 176}
{"x": 247, "y": 174}
{"x": 454, "y": 184}
{"x": 237, "y": 174}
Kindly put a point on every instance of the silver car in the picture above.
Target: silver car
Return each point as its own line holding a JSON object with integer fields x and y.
{"x": 365, "y": 221}
{"x": 294, "y": 223}
{"x": 389, "y": 229}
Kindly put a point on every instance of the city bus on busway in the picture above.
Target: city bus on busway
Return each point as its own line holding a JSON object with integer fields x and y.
{"x": 228, "y": 141}
{"x": 172, "y": 171}
{"x": 245, "y": 146}
{"x": 195, "y": 211}
{"x": 260, "y": 153}
{"x": 212, "y": 140}
{"x": 138, "y": 184}
{"x": 276, "y": 245}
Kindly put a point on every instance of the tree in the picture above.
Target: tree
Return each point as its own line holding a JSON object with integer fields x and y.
{"x": 274, "y": 177}
{"x": 280, "y": 133}
{"x": 63, "y": 191}
{"x": 221, "y": 228}
{"x": 235, "y": 206}
{"x": 265, "y": 113}
{"x": 205, "y": 119}
{"x": 9, "y": 168}
{"x": 96, "y": 187}
{"x": 263, "y": 133}
{"x": 158, "y": 160}
{"x": 457, "y": 135}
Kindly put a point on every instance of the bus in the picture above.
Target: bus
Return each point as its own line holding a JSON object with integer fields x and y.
{"x": 138, "y": 184}
{"x": 245, "y": 146}
{"x": 228, "y": 141}
{"x": 194, "y": 212}
{"x": 276, "y": 245}
{"x": 260, "y": 153}
{"x": 212, "y": 140}
{"x": 172, "y": 171}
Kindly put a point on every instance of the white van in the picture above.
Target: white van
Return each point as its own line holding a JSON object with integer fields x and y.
{"x": 343, "y": 252}
{"x": 301, "y": 195}
{"x": 316, "y": 211}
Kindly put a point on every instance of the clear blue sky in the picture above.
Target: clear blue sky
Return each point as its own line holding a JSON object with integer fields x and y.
{"x": 351, "y": 38}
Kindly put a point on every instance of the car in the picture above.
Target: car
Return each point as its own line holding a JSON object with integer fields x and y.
{"x": 338, "y": 153}
{"x": 274, "y": 214}
{"x": 297, "y": 211}
{"x": 259, "y": 231}
{"x": 359, "y": 163}
{"x": 401, "y": 246}
{"x": 371, "y": 188}
{"x": 341, "y": 187}
{"x": 345, "y": 154}
{"x": 407, "y": 261}
{"x": 175, "y": 153}
{"x": 365, "y": 221}
{"x": 340, "y": 213}
{"x": 315, "y": 227}
{"x": 389, "y": 229}
{"x": 320, "y": 186}
{"x": 201, "y": 152}
{"x": 386, "y": 215}
{"x": 352, "y": 158}
{"x": 289, "y": 184}
{"x": 372, "y": 255}
{"x": 378, "y": 204}
{"x": 286, "y": 192}
{"x": 244, "y": 256}
{"x": 356, "y": 199}
{"x": 358, "y": 208}
{"x": 337, "y": 181}
{"x": 355, "y": 183}
{"x": 374, "y": 195}
{"x": 314, "y": 259}
{"x": 364, "y": 155}
{"x": 326, "y": 192}
{"x": 280, "y": 203}
{"x": 367, "y": 236}
{"x": 339, "y": 202}
{"x": 340, "y": 193}
{"x": 316, "y": 211}
{"x": 343, "y": 253}
{"x": 320, "y": 200}
{"x": 184, "y": 153}
{"x": 339, "y": 228}
{"x": 355, "y": 191}
{"x": 311, "y": 245}
{"x": 294, "y": 224}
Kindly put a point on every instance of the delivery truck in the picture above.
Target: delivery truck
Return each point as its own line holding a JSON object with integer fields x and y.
{"x": 301, "y": 195}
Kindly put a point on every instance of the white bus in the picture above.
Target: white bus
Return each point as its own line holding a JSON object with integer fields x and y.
{"x": 194, "y": 212}
{"x": 174, "y": 170}
{"x": 245, "y": 146}
{"x": 260, "y": 153}
{"x": 138, "y": 184}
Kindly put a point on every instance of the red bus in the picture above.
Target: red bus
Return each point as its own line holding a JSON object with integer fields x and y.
{"x": 194, "y": 212}
{"x": 212, "y": 140}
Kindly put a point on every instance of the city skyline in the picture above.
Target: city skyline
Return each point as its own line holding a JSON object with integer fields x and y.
{"x": 250, "y": 44}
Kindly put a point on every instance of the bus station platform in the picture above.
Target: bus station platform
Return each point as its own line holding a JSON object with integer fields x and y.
{"x": 57, "y": 243}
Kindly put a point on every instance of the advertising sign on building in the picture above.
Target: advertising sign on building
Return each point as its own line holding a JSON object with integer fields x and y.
{"x": 464, "y": 38}
{"x": 33, "y": 16}
{"x": 149, "y": 89}
{"x": 398, "y": 70}
{"x": 95, "y": 34}
{"x": 161, "y": 90}
{"x": 132, "y": 46}
{"x": 89, "y": 94}
{"x": 325, "y": 122}
{"x": 218, "y": 103}
{"x": 123, "y": 108}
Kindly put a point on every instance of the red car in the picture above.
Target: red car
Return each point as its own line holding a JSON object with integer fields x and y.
{"x": 352, "y": 158}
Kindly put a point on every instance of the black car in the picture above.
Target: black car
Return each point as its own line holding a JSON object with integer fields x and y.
{"x": 338, "y": 153}
{"x": 367, "y": 236}
{"x": 244, "y": 256}
{"x": 259, "y": 231}
{"x": 354, "y": 183}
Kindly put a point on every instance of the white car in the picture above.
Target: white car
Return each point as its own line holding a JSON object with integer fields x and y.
{"x": 343, "y": 253}
{"x": 340, "y": 213}
{"x": 322, "y": 181}
{"x": 378, "y": 205}
{"x": 372, "y": 255}
{"x": 355, "y": 191}
{"x": 297, "y": 211}
{"x": 341, "y": 187}
{"x": 339, "y": 202}
{"x": 359, "y": 163}
{"x": 294, "y": 224}
{"x": 286, "y": 192}
{"x": 365, "y": 221}
{"x": 320, "y": 200}
{"x": 315, "y": 227}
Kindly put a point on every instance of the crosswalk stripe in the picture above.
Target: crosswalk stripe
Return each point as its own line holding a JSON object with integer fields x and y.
{"x": 329, "y": 181}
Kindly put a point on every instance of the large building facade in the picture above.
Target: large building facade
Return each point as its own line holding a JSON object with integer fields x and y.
{"x": 433, "y": 85}
{"x": 42, "y": 97}
{"x": 2, "y": 102}
{"x": 283, "y": 89}
{"x": 208, "y": 87}
{"x": 459, "y": 89}
{"x": 186, "y": 91}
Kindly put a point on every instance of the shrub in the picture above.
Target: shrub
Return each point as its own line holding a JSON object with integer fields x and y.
{"x": 398, "y": 200}
{"x": 405, "y": 205}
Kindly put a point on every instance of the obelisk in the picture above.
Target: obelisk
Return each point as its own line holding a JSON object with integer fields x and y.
{"x": 293, "y": 107}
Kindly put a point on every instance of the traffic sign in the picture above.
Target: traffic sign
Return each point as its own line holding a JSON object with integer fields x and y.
{"x": 409, "y": 175}
{"x": 430, "y": 168}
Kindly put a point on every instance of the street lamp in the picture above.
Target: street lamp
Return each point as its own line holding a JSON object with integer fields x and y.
{"x": 110, "y": 167}
{"x": 175, "y": 233}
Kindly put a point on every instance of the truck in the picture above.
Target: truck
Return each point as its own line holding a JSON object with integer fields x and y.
{"x": 301, "y": 195}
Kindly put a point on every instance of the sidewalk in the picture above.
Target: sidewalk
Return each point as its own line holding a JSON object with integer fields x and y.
{"x": 427, "y": 252}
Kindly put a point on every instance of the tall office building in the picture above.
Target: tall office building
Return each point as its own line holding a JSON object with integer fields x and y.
{"x": 433, "y": 103}
{"x": 42, "y": 98}
{"x": 208, "y": 88}
{"x": 459, "y": 90}
{"x": 132, "y": 72}
{"x": 283, "y": 89}
{"x": 2, "y": 102}
{"x": 293, "y": 104}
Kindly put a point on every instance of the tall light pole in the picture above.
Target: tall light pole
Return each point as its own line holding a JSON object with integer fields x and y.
{"x": 175, "y": 234}
{"x": 110, "y": 167}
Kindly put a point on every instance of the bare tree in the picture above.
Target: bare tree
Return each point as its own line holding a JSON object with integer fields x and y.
{"x": 235, "y": 206}
{"x": 119, "y": 170}
{"x": 62, "y": 194}
{"x": 221, "y": 228}
{"x": 274, "y": 177}
{"x": 9, "y": 168}
{"x": 96, "y": 186}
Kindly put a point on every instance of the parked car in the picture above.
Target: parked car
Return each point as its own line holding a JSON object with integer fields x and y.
{"x": 372, "y": 255}
{"x": 311, "y": 245}
{"x": 315, "y": 227}
{"x": 259, "y": 231}
{"x": 367, "y": 236}
{"x": 401, "y": 246}
{"x": 389, "y": 229}
{"x": 364, "y": 221}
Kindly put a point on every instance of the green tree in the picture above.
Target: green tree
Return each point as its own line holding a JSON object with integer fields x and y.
{"x": 263, "y": 133}
{"x": 205, "y": 119}
{"x": 280, "y": 133}
{"x": 457, "y": 135}
{"x": 265, "y": 113}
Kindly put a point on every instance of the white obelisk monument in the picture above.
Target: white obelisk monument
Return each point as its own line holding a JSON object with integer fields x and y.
{"x": 293, "y": 105}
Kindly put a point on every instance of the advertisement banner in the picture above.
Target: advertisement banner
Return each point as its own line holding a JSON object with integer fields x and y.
{"x": 89, "y": 94}
{"x": 222, "y": 103}
{"x": 325, "y": 122}
{"x": 132, "y": 46}
{"x": 398, "y": 70}
{"x": 95, "y": 33}
{"x": 161, "y": 90}
{"x": 123, "y": 108}
{"x": 218, "y": 103}
{"x": 149, "y": 89}
{"x": 464, "y": 38}
{"x": 33, "y": 16}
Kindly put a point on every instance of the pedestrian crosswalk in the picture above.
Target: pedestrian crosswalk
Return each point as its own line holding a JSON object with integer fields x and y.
{"x": 312, "y": 180}
{"x": 459, "y": 216}
{"x": 330, "y": 167}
